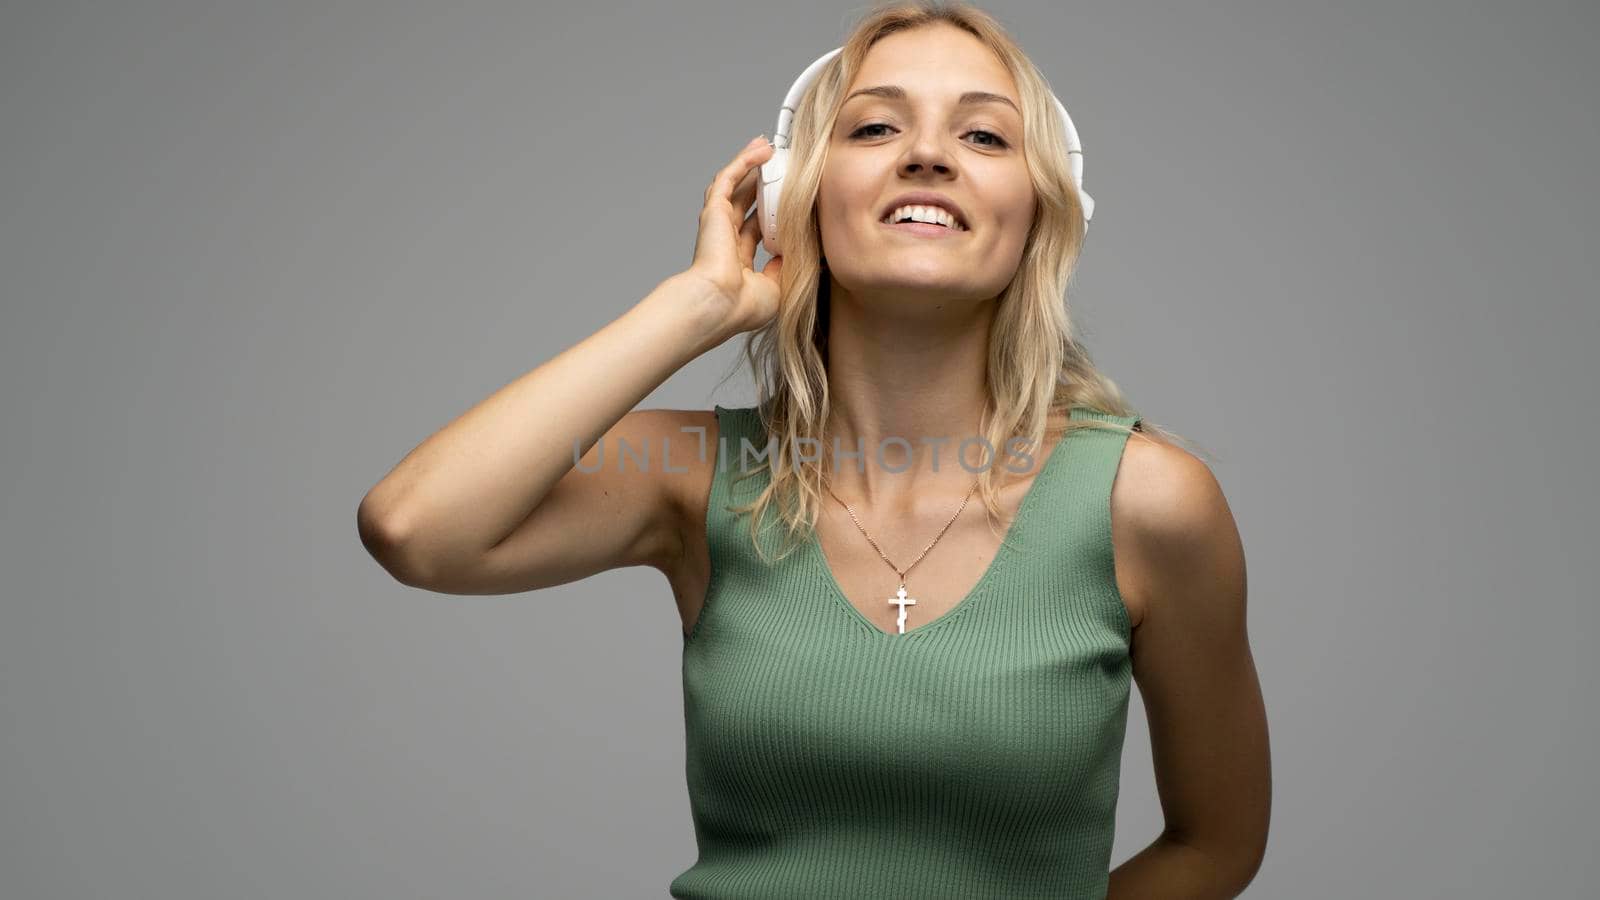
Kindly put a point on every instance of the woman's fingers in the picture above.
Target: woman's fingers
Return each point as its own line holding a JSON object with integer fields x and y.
{"x": 749, "y": 236}
{"x": 745, "y": 193}
{"x": 722, "y": 186}
{"x": 725, "y": 249}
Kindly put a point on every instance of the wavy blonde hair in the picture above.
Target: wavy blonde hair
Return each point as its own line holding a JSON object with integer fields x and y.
{"x": 1037, "y": 369}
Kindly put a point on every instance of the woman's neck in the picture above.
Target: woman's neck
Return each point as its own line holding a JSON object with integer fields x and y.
{"x": 905, "y": 391}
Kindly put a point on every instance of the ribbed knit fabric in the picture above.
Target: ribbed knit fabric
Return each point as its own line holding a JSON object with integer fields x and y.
{"x": 975, "y": 756}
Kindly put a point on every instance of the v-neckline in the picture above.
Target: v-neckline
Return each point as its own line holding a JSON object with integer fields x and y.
{"x": 819, "y": 562}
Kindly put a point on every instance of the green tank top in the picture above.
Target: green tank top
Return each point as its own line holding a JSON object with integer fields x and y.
{"x": 974, "y": 756}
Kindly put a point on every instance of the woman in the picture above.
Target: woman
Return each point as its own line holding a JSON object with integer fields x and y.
{"x": 903, "y": 695}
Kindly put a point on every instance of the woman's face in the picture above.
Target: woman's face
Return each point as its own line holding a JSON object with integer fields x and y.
{"x": 926, "y": 140}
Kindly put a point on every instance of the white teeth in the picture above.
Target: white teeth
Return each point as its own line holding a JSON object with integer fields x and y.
{"x": 930, "y": 214}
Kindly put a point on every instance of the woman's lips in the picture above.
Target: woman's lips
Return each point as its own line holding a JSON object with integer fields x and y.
{"x": 924, "y": 229}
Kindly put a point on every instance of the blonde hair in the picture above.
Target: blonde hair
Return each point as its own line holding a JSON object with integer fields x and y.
{"x": 1036, "y": 366}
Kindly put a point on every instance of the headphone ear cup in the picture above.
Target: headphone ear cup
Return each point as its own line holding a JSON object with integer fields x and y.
{"x": 767, "y": 198}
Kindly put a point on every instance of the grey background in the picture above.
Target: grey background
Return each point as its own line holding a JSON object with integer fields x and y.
{"x": 251, "y": 254}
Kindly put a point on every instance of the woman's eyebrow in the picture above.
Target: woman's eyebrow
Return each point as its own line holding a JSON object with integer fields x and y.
{"x": 970, "y": 98}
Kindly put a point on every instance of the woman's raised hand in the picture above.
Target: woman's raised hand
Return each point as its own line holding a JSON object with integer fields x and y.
{"x": 725, "y": 249}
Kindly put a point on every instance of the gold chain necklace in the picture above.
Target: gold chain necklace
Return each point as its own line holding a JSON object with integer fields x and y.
{"x": 900, "y": 597}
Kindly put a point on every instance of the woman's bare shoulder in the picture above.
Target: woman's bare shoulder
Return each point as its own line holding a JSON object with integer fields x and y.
{"x": 682, "y": 447}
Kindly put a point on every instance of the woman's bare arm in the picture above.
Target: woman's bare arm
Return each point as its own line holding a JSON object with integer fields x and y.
{"x": 1197, "y": 677}
{"x": 435, "y": 519}
{"x": 493, "y": 503}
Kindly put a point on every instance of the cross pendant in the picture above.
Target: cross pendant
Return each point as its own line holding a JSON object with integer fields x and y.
{"x": 903, "y": 601}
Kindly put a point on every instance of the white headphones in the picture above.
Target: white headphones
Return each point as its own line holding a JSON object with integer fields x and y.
{"x": 772, "y": 171}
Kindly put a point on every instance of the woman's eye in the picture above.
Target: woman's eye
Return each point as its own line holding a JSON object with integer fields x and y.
{"x": 859, "y": 132}
{"x": 997, "y": 142}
